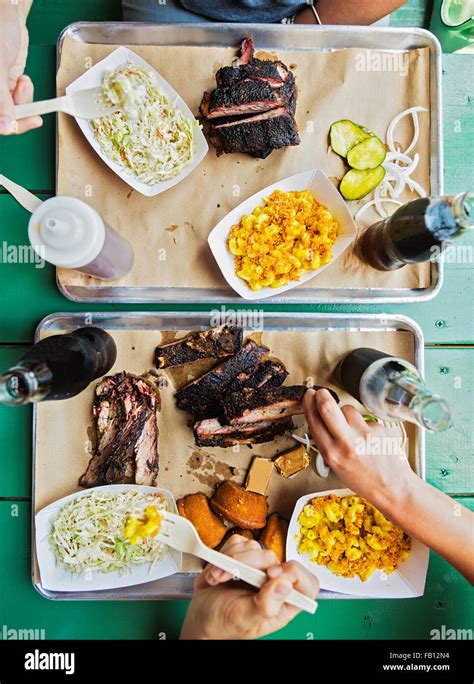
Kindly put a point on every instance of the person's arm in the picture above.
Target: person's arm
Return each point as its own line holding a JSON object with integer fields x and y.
{"x": 15, "y": 87}
{"x": 388, "y": 482}
{"x": 343, "y": 12}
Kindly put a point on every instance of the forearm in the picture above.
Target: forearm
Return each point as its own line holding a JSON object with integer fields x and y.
{"x": 8, "y": 8}
{"x": 344, "y": 12}
{"x": 435, "y": 519}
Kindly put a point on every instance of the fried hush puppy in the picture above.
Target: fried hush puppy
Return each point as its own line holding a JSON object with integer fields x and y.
{"x": 195, "y": 507}
{"x": 273, "y": 536}
{"x": 239, "y": 506}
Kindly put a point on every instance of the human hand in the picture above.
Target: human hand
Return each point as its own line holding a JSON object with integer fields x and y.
{"x": 360, "y": 453}
{"x": 223, "y": 608}
{"x": 15, "y": 88}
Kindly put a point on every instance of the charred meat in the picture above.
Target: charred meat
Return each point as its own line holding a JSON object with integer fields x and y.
{"x": 257, "y": 135}
{"x": 210, "y": 432}
{"x": 201, "y": 397}
{"x": 219, "y": 342}
{"x": 126, "y": 451}
{"x": 246, "y": 97}
{"x": 247, "y": 66}
{"x": 246, "y": 51}
{"x": 256, "y": 405}
{"x": 253, "y": 106}
{"x": 266, "y": 374}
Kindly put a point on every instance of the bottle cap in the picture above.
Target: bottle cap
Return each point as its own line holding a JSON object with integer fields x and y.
{"x": 66, "y": 232}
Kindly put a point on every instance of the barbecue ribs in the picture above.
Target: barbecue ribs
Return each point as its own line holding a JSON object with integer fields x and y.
{"x": 201, "y": 396}
{"x": 256, "y": 405}
{"x": 210, "y": 432}
{"x": 219, "y": 342}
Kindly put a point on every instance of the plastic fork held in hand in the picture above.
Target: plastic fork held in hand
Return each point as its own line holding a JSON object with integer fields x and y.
{"x": 181, "y": 535}
{"x": 85, "y": 104}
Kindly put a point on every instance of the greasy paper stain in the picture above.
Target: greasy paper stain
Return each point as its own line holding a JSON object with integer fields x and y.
{"x": 208, "y": 470}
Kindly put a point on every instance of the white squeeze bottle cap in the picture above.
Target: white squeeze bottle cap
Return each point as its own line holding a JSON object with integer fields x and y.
{"x": 66, "y": 232}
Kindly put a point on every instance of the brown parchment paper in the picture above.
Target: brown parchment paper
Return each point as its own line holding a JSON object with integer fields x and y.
{"x": 169, "y": 232}
{"x": 63, "y": 428}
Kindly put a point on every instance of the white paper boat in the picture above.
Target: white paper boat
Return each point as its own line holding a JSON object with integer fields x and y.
{"x": 323, "y": 190}
{"x": 408, "y": 581}
{"x": 56, "y": 578}
{"x": 92, "y": 78}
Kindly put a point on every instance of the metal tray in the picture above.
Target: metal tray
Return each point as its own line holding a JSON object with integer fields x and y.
{"x": 272, "y": 37}
{"x": 180, "y": 586}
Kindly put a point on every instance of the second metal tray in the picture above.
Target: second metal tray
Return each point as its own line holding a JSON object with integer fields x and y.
{"x": 180, "y": 586}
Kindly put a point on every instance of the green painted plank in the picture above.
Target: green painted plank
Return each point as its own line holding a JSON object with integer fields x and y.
{"x": 449, "y": 464}
{"x": 458, "y": 99}
{"x": 29, "y": 159}
{"x": 448, "y": 600}
{"x": 445, "y": 319}
{"x": 412, "y": 13}
{"x": 23, "y": 286}
{"x": 15, "y": 438}
{"x": 49, "y": 17}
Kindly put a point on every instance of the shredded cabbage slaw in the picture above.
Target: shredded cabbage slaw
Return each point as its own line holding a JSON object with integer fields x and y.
{"x": 150, "y": 137}
{"x": 88, "y": 532}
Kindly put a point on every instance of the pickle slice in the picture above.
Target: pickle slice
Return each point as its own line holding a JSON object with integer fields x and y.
{"x": 367, "y": 154}
{"x": 344, "y": 134}
{"x": 357, "y": 183}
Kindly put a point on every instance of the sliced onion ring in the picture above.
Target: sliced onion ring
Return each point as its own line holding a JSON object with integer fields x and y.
{"x": 371, "y": 203}
{"x": 416, "y": 187}
{"x": 396, "y": 120}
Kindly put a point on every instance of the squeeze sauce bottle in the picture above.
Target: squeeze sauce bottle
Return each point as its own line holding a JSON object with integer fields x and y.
{"x": 69, "y": 233}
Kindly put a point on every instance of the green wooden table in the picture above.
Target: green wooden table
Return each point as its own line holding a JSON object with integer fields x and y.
{"x": 26, "y": 295}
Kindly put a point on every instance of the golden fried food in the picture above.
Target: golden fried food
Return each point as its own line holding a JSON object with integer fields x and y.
{"x": 239, "y": 506}
{"x": 350, "y": 536}
{"x": 292, "y": 234}
{"x": 292, "y": 462}
{"x": 273, "y": 536}
{"x": 195, "y": 507}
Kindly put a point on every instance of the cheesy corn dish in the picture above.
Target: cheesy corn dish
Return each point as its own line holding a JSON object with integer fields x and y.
{"x": 350, "y": 536}
{"x": 291, "y": 234}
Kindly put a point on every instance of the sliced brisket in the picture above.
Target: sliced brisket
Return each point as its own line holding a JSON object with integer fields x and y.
{"x": 263, "y": 88}
{"x": 274, "y": 73}
{"x": 246, "y": 97}
{"x": 256, "y": 135}
{"x": 124, "y": 413}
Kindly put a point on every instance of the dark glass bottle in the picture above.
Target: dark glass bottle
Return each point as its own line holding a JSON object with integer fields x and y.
{"x": 392, "y": 389}
{"x": 59, "y": 367}
{"x": 417, "y": 231}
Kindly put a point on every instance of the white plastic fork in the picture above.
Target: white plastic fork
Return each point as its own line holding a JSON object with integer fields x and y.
{"x": 85, "y": 104}
{"x": 180, "y": 534}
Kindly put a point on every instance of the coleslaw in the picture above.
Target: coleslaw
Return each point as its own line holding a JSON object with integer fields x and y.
{"x": 150, "y": 136}
{"x": 88, "y": 532}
